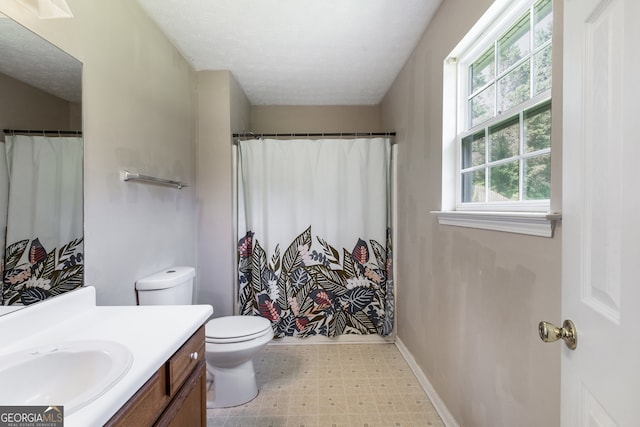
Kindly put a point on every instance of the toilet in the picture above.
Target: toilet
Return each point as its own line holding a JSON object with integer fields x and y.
{"x": 231, "y": 341}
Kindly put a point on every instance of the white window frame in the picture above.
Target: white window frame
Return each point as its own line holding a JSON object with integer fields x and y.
{"x": 508, "y": 206}
{"x": 524, "y": 217}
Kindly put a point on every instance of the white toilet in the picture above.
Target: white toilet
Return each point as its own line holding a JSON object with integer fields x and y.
{"x": 231, "y": 341}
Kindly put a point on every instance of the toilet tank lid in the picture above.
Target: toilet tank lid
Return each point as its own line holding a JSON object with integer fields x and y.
{"x": 166, "y": 278}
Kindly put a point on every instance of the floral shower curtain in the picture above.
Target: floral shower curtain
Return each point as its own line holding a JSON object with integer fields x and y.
{"x": 43, "y": 254}
{"x": 314, "y": 255}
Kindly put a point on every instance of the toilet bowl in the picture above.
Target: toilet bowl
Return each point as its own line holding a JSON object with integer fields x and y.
{"x": 231, "y": 342}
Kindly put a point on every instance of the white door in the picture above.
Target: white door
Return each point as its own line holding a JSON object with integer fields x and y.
{"x": 601, "y": 212}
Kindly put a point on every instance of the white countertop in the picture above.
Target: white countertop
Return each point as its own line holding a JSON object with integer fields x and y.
{"x": 6, "y": 309}
{"x": 152, "y": 334}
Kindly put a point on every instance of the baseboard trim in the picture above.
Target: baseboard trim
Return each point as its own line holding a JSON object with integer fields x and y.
{"x": 438, "y": 404}
{"x": 341, "y": 339}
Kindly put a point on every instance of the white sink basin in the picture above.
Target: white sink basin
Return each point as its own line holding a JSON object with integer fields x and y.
{"x": 69, "y": 374}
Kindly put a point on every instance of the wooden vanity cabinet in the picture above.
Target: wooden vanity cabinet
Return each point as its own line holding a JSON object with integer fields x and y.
{"x": 175, "y": 395}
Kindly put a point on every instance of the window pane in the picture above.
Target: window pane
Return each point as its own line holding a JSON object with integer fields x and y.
{"x": 537, "y": 128}
{"x": 543, "y": 22}
{"x": 514, "y": 45}
{"x": 473, "y": 150}
{"x": 513, "y": 88}
{"x": 482, "y": 105}
{"x": 504, "y": 139}
{"x": 473, "y": 186}
{"x": 542, "y": 70}
{"x": 537, "y": 177}
{"x": 503, "y": 182}
{"x": 481, "y": 71}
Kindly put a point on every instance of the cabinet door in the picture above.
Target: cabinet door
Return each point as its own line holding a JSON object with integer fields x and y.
{"x": 143, "y": 409}
{"x": 188, "y": 408}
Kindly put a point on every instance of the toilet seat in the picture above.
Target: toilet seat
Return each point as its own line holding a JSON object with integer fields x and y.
{"x": 235, "y": 329}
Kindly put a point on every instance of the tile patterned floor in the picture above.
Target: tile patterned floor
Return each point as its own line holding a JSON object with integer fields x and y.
{"x": 332, "y": 385}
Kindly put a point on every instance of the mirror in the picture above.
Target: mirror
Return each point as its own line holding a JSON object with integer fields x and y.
{"x": 41, "y": 222}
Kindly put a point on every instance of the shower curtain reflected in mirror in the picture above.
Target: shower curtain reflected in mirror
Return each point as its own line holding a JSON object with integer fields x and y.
{"x": 315, "y": 240}
{"x": 43, "y": 254}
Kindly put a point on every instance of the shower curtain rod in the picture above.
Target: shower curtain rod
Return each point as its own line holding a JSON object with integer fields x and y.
{"x": 309, "y": 134}
{"x": 42, "y": 132}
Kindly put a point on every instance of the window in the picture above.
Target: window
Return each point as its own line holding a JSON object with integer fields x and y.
{"x": 509, "y": 161}
{"x": 499, "y": 125}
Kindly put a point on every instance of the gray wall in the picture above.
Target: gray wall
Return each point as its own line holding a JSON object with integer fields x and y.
{"x": 468, "y": 300}
{"x": 310, "y": 118}
{"x": 223, "y": 109}
{"x": 25, "y": 107}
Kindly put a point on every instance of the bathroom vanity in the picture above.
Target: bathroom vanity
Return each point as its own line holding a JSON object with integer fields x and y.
{"x": 163, "y": 376}
{"x": 174, "y": 395}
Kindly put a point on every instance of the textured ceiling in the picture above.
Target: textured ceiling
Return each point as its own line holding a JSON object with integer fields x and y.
{"x": 298, "y": 52}
{"x": 283, "y": 52}
{"x": 32, "y": 60}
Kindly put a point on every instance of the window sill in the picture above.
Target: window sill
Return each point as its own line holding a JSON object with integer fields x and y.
{"x": 531, "y": 223}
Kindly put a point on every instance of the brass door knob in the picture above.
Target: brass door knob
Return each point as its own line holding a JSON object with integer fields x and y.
{"x": 550, "y": 333}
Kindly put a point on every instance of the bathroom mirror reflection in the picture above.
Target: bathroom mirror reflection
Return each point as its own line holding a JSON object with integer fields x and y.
{"x": 41, "y": 159}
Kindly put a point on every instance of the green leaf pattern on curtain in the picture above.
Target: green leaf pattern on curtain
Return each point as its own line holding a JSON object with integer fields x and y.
{"x": 311, "y": 291}
{"x": 43, "y": 274}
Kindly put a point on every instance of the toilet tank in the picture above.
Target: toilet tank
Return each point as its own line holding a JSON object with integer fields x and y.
{"x": 172, "y": 286}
